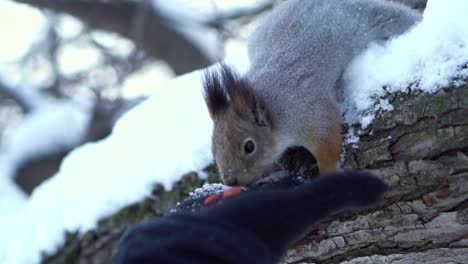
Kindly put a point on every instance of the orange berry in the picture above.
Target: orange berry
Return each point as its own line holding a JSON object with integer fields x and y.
{"x": 234, "y": 191}
{"x": 211, "y": 199}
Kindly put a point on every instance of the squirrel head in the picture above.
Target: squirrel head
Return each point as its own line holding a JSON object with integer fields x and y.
{"x": 243, "y": 142}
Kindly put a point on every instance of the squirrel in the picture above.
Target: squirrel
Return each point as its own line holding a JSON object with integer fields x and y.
{"x": 291, "y": 94}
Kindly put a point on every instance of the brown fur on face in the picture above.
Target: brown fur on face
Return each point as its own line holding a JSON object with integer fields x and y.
{"x": 238, "y": 115}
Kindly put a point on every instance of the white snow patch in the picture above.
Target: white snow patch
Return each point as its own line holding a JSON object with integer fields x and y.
{"x": 68, "y": 27}
{"x": 136, "y": 84}
{"x": 16, "y": 40}
{"x": 202, "y": 11}
{"x": 115, "y": 43}
{"x": 190, "y": 17}
{"x": 16, "y": 83}
{"x": 163, "y": 138}
{"x": 77, "y": 57}
{"x": 158, "y": 141}
{"x": 351, "y": 137}
{"x": 429, "y": 56}
{"x": 12, "y": 199}
{"x": 51, "y": 128}
{"x": 190, "y": 25}
{"x": 12, "y": 202}
{"x": 169, "y": 134}
{"x": 208, "y": 189}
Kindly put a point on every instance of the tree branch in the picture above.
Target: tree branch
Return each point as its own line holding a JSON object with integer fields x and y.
{"x": 419, "y": 149}
{"x": 158, "y": 38}
{"x": 27, "y": 100}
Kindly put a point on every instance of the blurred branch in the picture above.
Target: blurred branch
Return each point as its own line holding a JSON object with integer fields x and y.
{"x": 222, "y": 17}
{"x": 53, "y": 42}
{"x": 123, "y": 65}
{"x": 27, "y": 100}
{"x": 155, "y": 36}
{"x": 105, "y": 113}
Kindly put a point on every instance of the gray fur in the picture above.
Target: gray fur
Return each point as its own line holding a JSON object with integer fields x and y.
{"x": 298, "y": 55}
{"x": 300, "y": 51}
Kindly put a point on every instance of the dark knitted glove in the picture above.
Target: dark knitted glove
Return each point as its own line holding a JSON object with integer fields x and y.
{"x": 253, "y": 227}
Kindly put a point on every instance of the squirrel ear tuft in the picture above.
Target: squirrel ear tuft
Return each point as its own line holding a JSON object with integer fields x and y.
{"x": 244, "y": 99}
{"x": 214, "y": 93}
{"x": 225, "y": 88}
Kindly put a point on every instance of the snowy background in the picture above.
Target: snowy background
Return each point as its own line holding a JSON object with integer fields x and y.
{"x": 58, "y": 84}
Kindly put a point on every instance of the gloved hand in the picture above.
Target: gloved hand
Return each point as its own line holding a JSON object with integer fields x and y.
{"x": 252, "y": 227}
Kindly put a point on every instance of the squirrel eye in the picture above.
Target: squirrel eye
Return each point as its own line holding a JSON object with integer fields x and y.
{"x": 249, "y": 146}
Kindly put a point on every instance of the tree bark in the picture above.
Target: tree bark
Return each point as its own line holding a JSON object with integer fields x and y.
{"x": 420, "y": 149}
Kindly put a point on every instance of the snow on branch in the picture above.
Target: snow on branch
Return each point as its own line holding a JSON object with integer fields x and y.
{"x": 169, "y": 134}
{"x": 431, "y": 55}
{"x": 27, "y": 98}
